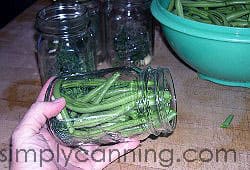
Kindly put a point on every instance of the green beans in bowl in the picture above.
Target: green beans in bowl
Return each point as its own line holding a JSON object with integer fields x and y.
{"x": 218, "y": 53}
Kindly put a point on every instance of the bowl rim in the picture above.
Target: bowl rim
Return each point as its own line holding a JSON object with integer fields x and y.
{"x": 198, "y": 29}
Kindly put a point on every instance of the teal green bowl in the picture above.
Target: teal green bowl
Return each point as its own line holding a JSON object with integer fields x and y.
{"x": 219, "y": 54}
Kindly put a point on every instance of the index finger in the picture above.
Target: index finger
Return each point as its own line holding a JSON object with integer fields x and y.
{"x": 41, "y": 96}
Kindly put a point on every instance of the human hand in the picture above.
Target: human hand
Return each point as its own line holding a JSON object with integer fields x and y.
{"x": 33, "y": 147}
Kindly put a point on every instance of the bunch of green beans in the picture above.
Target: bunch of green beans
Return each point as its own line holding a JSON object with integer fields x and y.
{"x": 232, "y": 13}
{"x": 97, "y": 106}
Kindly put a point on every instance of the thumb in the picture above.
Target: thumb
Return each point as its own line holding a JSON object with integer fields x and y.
{"x": 37, "y": 116}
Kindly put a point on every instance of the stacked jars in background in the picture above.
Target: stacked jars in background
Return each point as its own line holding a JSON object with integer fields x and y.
{"x": 129, "y": 32}
{"x": 65, "y": 44}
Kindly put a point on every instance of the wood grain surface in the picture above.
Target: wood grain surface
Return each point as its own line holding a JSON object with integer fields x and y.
{"x": 202, "y": 107}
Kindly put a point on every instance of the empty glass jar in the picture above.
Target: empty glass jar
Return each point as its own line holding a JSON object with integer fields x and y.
{"x": 129, "y": 32}
{"x": 109, "y": 105}
{"x": 96, "y": 24}
{"x": 65, "y": 44}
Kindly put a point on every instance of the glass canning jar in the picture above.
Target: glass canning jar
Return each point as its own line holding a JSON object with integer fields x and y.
{"x": 96, "y": 24}
{"x": 129, "y": 32}
{"x": 65, "y": 43}
{"x": 109, "y": 105}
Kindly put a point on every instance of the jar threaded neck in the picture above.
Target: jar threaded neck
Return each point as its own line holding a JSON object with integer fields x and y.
{"x": 62, "y": 18}
{"x": 159, "y": 105}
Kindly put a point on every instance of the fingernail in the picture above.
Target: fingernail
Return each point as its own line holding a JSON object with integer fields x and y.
{"x": 59, "y": 100}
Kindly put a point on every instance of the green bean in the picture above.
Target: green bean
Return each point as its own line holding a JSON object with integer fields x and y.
{"x": 111, "y": 106}
{"x": 200, "y": 13}
{"x": 84, "y": 82}
{"x": 106, "y": 106}
{"x": 125, "y": 128}
{"x": 99, "y": 118}
{"x": 69, "y": 100}
{"x": 107, "y": 85}
{"x": 240, "y": 24}
{"x": 91, "y": 94}
{"x": 133, "y": 130}
{"x": 247, "y": 6}
{"x": 171, "y": 115}
{"x": 227, "y": 121}
{"x": 179, "y": 8}
{"x": 214, "y": 19}
{"x": 218, "y": 12}
{"x": 117, "y": 91}
{"x": 205, "y": 4}
{"x": 73, "y": 115}
{"x": 237, "y": 14}
{"x": 64, "y": 112}
{"x": 223, "y": 18}
{"x": 225, "y": 10}
{"x": 171, "y": 5}
{"x": 97, "y": 82}
{"x": 216, "y": 0}
{"x": 238, "y": 20}
{"x": 114, "y": 128}
{"x": 118, "y": 97}
{"x": 202, "y": 4}
{"x": 133, "y": 114}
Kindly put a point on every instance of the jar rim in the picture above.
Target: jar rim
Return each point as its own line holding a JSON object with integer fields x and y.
{"x": 62, "y": 18}
{"x": 131, "y": 3}
{"x": 90, "y": 4}
{"x": 163, "y": 80}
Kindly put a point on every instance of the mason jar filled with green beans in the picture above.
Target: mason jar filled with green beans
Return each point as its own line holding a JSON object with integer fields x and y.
{"x": 107, "y": 106}
{"x": 129, "y": 32}
{"x": 65, "y": 43}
